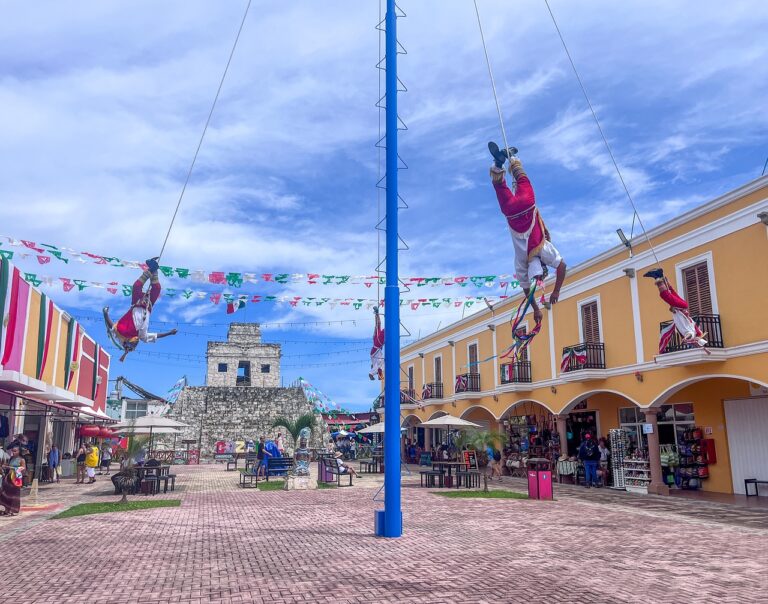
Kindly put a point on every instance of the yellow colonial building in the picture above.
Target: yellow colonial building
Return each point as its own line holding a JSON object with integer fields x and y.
{"x": 707, "y": 413}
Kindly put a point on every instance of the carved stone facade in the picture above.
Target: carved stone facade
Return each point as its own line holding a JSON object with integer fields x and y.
{"x": 231, "y": 407}
{"x": 243, "y": 360}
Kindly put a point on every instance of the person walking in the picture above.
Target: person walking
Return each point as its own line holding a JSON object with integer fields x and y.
{"x": 590, "y": 456}
{"x": 91, "y": 462}
{"x": 54, "y": 460}
{"x": 12, "y": 479}
{"x": 106, "y": 458}
{"x": 280, "y": 442}
{"x": 80, "y": 460}
{"x": 261, "y": 455}
{"x": 496, "y": 464}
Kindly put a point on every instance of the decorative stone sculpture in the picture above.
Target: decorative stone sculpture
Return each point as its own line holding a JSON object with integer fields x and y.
{"x": 300, "y": 478}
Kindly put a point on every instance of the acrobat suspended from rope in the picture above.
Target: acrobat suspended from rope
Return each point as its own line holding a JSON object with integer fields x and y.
{"x": 133, "y": 326}
{"x": 377, "y": 351}
{"x": 682, "y": 321}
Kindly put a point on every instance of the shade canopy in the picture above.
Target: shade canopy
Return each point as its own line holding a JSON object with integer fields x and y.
{"x": 142, "y": 425}
{"x": 448, "y": 421}
{"x": 374, "y": 429}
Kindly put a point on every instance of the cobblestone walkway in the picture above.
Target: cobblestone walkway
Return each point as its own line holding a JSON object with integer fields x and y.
{"x": 230, "y": 545}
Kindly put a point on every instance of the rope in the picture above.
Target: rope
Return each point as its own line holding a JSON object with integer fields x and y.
{"x": 205, "y": 129}
{"x": 602, "y": 134}
{"x": 490, "y": 73}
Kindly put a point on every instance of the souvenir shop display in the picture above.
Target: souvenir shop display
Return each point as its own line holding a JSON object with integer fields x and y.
{"x": 695, "y": 453}
{"x": 670, "y": 462}
{"x": 637, "y": 475}
{"x": 533, "y": 436}
{"x": 619, "y": 441}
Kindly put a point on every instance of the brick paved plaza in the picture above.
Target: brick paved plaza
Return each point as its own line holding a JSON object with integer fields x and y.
{"x": 228, "y": 545}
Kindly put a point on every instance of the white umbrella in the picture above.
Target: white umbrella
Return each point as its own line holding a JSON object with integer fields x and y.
{"x": 448, "y": 421}
{"x": 150, "y": 424}
{"x": 374, "y": 429}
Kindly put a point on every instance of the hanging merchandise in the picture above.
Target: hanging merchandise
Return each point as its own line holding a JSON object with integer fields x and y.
{"x": 619, "y": 440}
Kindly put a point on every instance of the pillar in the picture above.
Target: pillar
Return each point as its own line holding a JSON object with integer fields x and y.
{"x": 656, "y": 485}
{"x": 427, "y": 439}
{"x": 562, "y": 431}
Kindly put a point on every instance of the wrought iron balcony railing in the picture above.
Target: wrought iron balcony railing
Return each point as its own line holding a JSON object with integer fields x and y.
{"x": 432, "y": 390}
{"x": 709, "y": 324}
{"x": 587, "y": 355}
{"x": 467, "y": 382}
{"x": 516, "y": 373}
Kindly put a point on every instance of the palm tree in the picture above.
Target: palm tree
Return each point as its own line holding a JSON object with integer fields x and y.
{"x": 126, "y": 479}
{"x": 481, "y": 441}
{"x": 294, "y": 427}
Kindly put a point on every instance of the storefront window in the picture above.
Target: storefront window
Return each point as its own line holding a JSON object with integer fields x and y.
{"x": 673, "y": 421}
{"x": 632, "y": 419}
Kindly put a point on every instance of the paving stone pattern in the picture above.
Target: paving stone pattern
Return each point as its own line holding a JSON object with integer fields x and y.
{"x": 230, "y": 545}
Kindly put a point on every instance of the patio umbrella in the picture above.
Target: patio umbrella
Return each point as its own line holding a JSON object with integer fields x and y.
{"x": 149, "y": 424}
{"x": 448, "y": 421}
{"x": 375, "y": 429}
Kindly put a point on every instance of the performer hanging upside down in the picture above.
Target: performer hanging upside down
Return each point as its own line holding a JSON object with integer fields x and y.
{"x": 533, "y": 249}
{"x": 377, "y": 352}
{"x": 134, "y": 324}
{"x": 681, "y": 319}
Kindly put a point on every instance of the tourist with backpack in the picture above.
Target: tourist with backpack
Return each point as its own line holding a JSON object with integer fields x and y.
{"x": 589, "y": 454}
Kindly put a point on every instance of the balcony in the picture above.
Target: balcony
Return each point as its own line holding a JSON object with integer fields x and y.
{"x": 678, "y": 352}
{"x": 408, "y": 397}
{"x": 516, "y": 376}
{"x": 433, "y": 390}
{"x": 583, "y": 361}
{"x": 467, "y": 382}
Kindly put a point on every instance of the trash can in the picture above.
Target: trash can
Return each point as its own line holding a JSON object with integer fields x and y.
{"x": 539, "y": 479}
{"x": 323, "y": 474}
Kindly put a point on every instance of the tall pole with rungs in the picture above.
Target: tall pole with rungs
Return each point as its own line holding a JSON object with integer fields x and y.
{"x": 391, "y": 525}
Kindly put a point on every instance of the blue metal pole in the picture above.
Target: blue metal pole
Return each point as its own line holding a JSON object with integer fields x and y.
{"x": 393, "y": 517}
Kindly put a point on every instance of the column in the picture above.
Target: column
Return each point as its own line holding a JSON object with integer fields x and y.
{"x": 562, "y": 430}
{"x": 427, "y": 439}
{"x": 657, "y": 485}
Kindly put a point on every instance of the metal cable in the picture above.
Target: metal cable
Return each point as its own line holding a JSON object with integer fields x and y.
{"x": 602, "y": 134}
{"x": 205, "y": 129}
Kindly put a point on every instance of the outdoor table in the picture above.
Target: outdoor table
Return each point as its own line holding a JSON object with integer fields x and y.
{"x": 449, "y": 465}
{"x": 566, "y": 467}
{"x": 159, "y": 472}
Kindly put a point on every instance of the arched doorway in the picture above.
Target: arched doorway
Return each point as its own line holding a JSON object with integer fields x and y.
{"x": 717, "y": 425}
{"x": 531, "y": 430}
{"x": 599, "y": 411}
{"x": 482, "y": 416}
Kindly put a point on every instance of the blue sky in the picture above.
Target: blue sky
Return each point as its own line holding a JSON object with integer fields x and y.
{"x": 103, "y": 103}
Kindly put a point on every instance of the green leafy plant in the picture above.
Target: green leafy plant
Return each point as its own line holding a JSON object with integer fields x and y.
{"x": 126, "y": 479}
{"x": 294, "y": 427}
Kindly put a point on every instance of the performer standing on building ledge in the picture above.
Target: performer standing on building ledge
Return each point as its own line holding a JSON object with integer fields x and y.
{"x": 533, "y": 249}
{"x": 681, "y": 318}
{"x": 133, "y": 325}
{"x": 377, "y": 352}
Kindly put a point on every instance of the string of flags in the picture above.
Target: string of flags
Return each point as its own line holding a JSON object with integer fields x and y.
{"x": 322, "y": 402}
{"x": 44, "y": 253}
{"x": 235, "y": 302}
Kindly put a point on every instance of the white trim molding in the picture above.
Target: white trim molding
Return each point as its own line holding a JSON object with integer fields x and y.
{"x": 689, "y": 262}
{"x": 584, "y": 302}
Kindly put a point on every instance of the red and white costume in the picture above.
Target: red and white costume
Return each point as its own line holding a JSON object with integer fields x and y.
{"x": 377, "y": 352}
{"x": 682, "y": 321}
{"x": 134, "y": 325}
{"x": 529, "y": 235}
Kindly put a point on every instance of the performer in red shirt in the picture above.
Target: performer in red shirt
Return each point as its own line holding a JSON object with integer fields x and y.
{"x": 681, "y": 319}
{"x": 133, "y": 326}
{"x": 533, "y": 249}
{"x": 377, "y": 352}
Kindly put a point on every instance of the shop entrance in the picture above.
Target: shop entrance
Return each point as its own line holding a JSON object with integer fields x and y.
{"x": 579, "y": 423}
{"x": 747, "y": 421}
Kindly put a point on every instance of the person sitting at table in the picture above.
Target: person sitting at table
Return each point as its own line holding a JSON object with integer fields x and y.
{"x": 343, "y": 468}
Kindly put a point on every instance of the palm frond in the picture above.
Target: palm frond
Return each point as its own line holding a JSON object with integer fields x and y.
{"x": 284, "y": 422}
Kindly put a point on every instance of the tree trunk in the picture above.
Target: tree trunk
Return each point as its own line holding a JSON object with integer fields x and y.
{"x": 485, "y": 482}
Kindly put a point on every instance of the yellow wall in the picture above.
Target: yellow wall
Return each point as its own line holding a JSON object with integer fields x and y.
{"x": 33, "y": 328}
{"x": 48, "y": 375}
